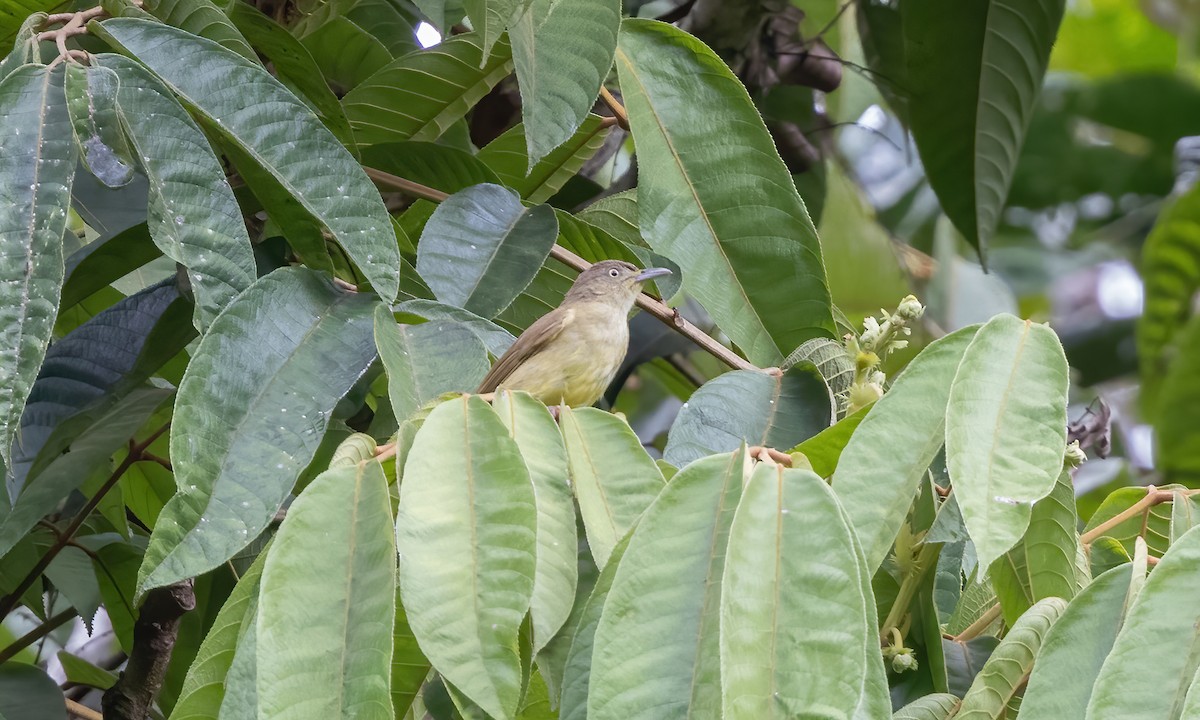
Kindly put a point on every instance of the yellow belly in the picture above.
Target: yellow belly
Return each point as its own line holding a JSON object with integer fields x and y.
{"x": 577, "y": 366}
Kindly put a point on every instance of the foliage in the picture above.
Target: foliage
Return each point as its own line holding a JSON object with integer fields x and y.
{"x": 256, "y": 257}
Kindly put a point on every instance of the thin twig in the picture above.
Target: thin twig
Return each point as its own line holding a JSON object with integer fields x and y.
{"x": 82, "y": 711}
{"x": 1153, "y": 497}
{"x": 52, "y": 623}
{"x": 135, "y": 453}
{"x": 651, "y": 305}
{"x": 618, "y": 110}
{"x": 388, "y": 450}
{"x": 973, "y": 630}
{"x": 769, "y": 455}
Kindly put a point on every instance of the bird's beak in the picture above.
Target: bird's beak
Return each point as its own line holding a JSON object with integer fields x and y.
{"x": 651, "y": 273}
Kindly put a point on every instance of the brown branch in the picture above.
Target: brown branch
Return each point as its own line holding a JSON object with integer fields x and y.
{"x": 154, "y": 634}
{"x": 973, "y": 630}
{"x": 9, "y": 602}
{"x": 82, "y": 711}
{"x": 39, "y": 632}
{"x": 1153, "y": 497}
{"x": 618, "y": 110}
{"x": 769, "y": 455}
{"x": 652, "y": 306}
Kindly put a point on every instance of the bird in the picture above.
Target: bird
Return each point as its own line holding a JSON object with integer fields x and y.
{"x": 571, "y": 354}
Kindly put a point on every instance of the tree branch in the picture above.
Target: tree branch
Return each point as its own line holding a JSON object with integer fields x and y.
{"x": 82, "y": 711}
{"x": 154, "y": 636}
{"x": 52, "y": 623}
{"x": 650, "y": 305}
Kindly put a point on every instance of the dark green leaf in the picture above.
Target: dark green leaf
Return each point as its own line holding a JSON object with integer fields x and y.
{"x": 104, "y": 261}
{"x": 204, "y": 19}
{"x": 92, "y": 98}
{"x": 252, "y": 408}
{"x": 496, "y": 338}
{"x": 507, "y": 155}
{"x": 346, "y": 53}
{"x": 28, "y": 693}
{"x": 437, "y": 166}
{"x": 748, "y": 406}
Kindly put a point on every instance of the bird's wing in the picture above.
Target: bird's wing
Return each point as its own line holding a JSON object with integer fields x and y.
{"x": 532, "y": 341}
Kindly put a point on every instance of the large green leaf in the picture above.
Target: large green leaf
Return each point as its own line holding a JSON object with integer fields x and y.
{"x": 614, "y": 479}
{"x": 557, "y": 572}
{"x": 440, "y": 167}
{"x": 201, "y": 18}
{"x": 1154, "y": 526}
{"x": 251, "y": 411}
{"x": 1161, "y": 631}
{"x": 204, "y": 686}
{"x": 563, "y": 51}
{"x": 1071, "y": 655}
{"x": 346, "y": 53}
{"x": 420, "y": 95}
{"x": 482, "y": 247}
{"x": 193, "y": 216}
{"x": 295, "y": 66}
{"x": 1171, "y": 271}
{"x": 1178, "y": 434}
{"x": 423, "y": 361}
{"x": 92, "y": 98}
{"x": 794, "y": 626}
{"x": 715, "y": 197}
{"x": 973, "y": 72}
{"x": 37, "y": 165}
{"x": 409, "y": 665}
{"x": 326, "y": 191}
{"x": 333, "y": 558}
{"x": 652, "y": 663}
{"x": 747, "y": 406}
{"x": 537, "y": 182}
{"x": 496, "y": 338}
{"x": 938, "y": 706}
{"x": 28, "y": 693}
{"x": 1052, "y": 543}
{"x": 1006, "y": 429}
{"x": 467, "y": 495}
{"x": 1004, "y": 672}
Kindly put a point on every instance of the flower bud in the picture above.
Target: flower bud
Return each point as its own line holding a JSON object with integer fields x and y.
{"x": 910, "y": 309}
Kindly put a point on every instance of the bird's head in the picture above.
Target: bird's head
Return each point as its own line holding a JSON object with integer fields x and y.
{"x": 613, "y": 280}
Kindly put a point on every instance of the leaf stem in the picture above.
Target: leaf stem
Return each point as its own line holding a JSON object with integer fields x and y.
{"x": 908, "y": 588}
{"x": 974, "y": 629}
{"x": 11, "y": 601}
{"x": 1153, "y": 497}
{"x": 52, "y": 623}
{"x": 618, "y": 110}
{"x": 652, "y": 306}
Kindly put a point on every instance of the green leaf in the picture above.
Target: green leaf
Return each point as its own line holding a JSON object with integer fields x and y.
{"x": 1052, "y": 543}
{"x": 577, "y": 672}
{"x": 28, "y": 693}
{"x": 1185, "y": 514}
{"x": 1155, "y": 527}
{"x": 424, "y": 361}
{"x": 82, "y": 672}
{"x": 938, "y": 706}
{"x": 1160, "y": 631}
{"x": 1002, "y": 675}
{"x": 20, "y": 22}
{"x": 1071, "y": 655}
{"x": 648, "y": 663}
{"x": 715, "y": 197}
{"x": 614, "y": 479}
{"x": 394, "y": 24}
{"x": 496, "y": 338}
{"x": 824, "y": 450}
{"x": 882, "y": 465}
{"x": 37, "y": 165}
{"x": 794, "y": 627}
{"x": 557, "y": 572}
{"x": 193, "y": 216}
{"x": 333, "y": 558}
{"x": 92, "y": 98}
{"x": 89, "y": 452}
{"x": 437, "y": 166}
{"x": 294, "y": 65}
{"x": 563, "y": 51}
{"x": 1170, "y": 268}
{"x": 752, "y": 407}
{"x": 105, "y": 260}
{"x": 482, "y": 247}
{"x": 346, "y": 53}
{"x": 204, "y": 686}
{"x": 204, "y": 19}
{"x": 1010, "y": 578}
{"x": 409, "y": 665}
{"x": 539, "y": 181}
{"x": 1006, "y": 429}
{"x": 467, "y": 494}
{"x": 1177, "y": 438}
{"x": 251, "y": 411}
{"x": 973, "y": 72}
{"x": 420, "y": 95}
{"x": 328, "y": 191}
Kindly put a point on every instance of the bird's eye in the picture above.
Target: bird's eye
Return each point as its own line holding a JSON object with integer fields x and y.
{"x": 614, "y": 272}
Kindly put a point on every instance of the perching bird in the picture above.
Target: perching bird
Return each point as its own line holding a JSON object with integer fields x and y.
{"x": 570, "y": 354}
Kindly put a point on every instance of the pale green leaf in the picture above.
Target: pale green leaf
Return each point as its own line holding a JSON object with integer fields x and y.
{"x": 467, "y": 495}
{"x": 327, "y": 190}
{"x": 251, "y": 411}
{"x": 1006, "y": 427}
{"x": 557, "y": 572}
{"x": 715, "y": 197}
{"x": 563, "y": 50}
{"x": 496, "y": 338}
{"x": 614, "y": 478}
{"x": 752, "y": 407}
{"x": 333, "y": 559}
{"x": 655, "y": 664}
{"x": 1052, "y": 543}
{"x": 938, "y": 706}
{"x": 881, "y": 466}
{"x": 37, "y": 165}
